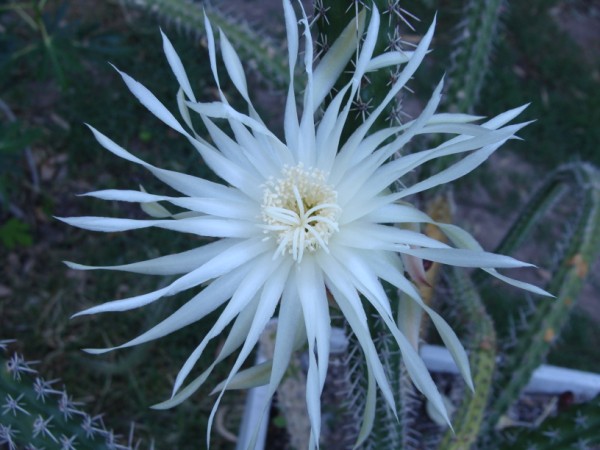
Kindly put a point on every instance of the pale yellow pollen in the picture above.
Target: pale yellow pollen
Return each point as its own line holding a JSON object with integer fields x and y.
{"x": 300, "y": 211}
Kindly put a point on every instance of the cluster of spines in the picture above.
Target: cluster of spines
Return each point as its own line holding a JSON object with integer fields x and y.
{"x": 36, "y": 413}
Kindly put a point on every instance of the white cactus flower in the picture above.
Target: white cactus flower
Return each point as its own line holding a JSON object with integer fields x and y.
{"x": 302, "y": 222}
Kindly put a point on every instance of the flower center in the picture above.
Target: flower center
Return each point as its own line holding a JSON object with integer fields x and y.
{"x": 300, "y": 210}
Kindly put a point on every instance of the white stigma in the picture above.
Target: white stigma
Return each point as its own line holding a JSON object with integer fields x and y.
{"x": 300, "y": 210}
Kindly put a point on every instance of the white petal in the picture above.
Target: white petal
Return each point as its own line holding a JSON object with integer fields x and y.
{"x": 388, "y": 59}
{"x": 242, "y": 208}
{"x": 269, "y": 298}
{"x": 404, "y": 76}
{"x": 368, "y": 46}
{"x": 388, "y": 272}
{"x": 291, "y": 28}
{"x": 349, "y": 302}
{"x": 148, "y": 99}
{"x": 259, "y": 155}
{"x": 505, "y": 117}
{"x": 184, "y": 183}
{"x": 207, "y": 301}
{"x": 382, "y": 237}
{"x": 414, "y": 364}
{"x": 466, "y": 258}
{"x": 177, "y": 67}
{"x": 251, "y": 377}
{"x": 463, "y": 239}
{"x": 123, "y": 305}
{"x": 168, "y": 265}
{"x": 409, "y": 319}
{"x": 329, "y": 132}
{"x": 454, "y": 118}
{"x": 234, "y": 66}
{"x": 245, "y": 292}
{"x": 202, "y": 226}
{"x": 397, "y": 213}
{"x": 332, "y": 64}
{"x": 455, "y": 171}
{"x": 311, "y": 291}
{"x": 234, "y": 340}
{"x": 220, "y": 110}
{"x": 212, "y": 53}
{"x": 354, "y": 154}
{"x": 227, "y": 170}
{"x": 306, "y": 135}
{"x": 221, "y": 264}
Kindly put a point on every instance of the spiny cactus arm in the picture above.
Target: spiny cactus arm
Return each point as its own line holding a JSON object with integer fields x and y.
{"x": 331, "y": 17}
{"x": 567, "y": 282}
{"x": 545, "y": 197}
{"x": 391, "y": 429}
{"x": 269, "y": 59}
{"x": 481, "y": 342}
{"x": 37, "y": 413}
{"x": 477, "y": 34}
{"x": 577, "y": 427}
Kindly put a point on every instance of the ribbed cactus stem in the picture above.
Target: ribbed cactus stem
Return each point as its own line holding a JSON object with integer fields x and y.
{"x": 39, "y": 413}
{"x": 477, "y": 33}
{"x": 481, "y": 343}
{"x": 550, "y": 315}
{"x": 388, "y": 432}
{"x": 469, "y": 62}
{"x": 331, "y": 18}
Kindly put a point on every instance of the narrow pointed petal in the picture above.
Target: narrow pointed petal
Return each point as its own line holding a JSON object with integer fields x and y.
{"x": 266, "y": 308}
{"x": 148, "y": 99}
{"x": 466, "y": 258}
{"x": 184, "y": 183}
{"x": 177, "y": 67}
{"x": 201, "y": 226}
{"x": 244, "y": 293}
{"x": 234, "y": 340}
{"x": 332, "y": 64}
{"x": 388, "y": 59}
{"x": 234, "y": 66}
{"x": 174, "y": 264}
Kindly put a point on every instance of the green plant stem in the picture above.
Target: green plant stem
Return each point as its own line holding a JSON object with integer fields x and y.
{"x": 481, "y": 342}
{"x": 552, "y": 314}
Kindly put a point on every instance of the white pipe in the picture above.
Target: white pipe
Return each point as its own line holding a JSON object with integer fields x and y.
{"x": 545, "y": 379}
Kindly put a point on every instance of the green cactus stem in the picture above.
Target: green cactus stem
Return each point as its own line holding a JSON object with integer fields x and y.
{"x": 331, "y": 17}
{"x": 566, "y": 283}
{"x": 481, "y": 343}
{"x": 477, "y": 34}
{"x": 36, "y": 413}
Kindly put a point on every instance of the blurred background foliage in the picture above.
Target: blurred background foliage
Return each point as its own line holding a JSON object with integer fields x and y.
{"x": 54, "y": 77}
